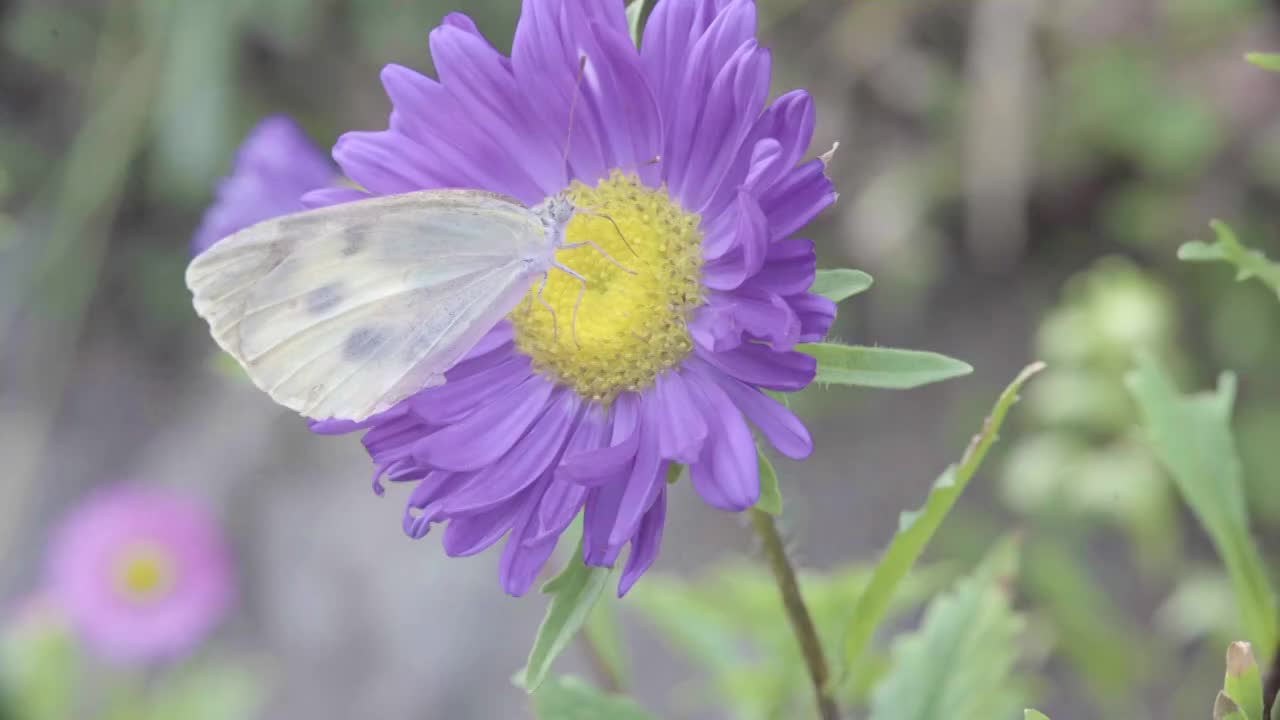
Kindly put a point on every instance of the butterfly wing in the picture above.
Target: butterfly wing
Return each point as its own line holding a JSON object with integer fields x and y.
{"x": 346, "y": 310}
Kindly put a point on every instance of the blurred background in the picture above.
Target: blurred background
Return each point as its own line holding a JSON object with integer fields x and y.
{"x": 1016, "y": 174}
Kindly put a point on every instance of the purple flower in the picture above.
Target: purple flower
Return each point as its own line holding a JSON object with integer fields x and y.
{"x": 662, "y": 362}
{"x": 696, "y": 292}
{"x": 275, "y": 165}
{"x": 142, "y": 575}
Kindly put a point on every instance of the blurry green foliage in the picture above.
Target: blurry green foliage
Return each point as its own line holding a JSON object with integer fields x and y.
{"x": 569, "y": 698}
{"x": 1227, "y": 248}
{"x": 41, "y": 667}
{"x": 917, "y": 527}
{"x": 960, "y": 662}
{"x": 1192, "y": 435}
{"x": 731, "y": 625}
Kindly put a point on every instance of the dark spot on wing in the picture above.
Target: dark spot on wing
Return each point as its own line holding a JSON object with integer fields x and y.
{"x": 325, "y": 298}
{"x": 361, "y": 343}
{"x": 354, "y": 240}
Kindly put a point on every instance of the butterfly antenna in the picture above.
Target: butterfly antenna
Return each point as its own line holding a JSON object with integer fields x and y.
{"x": 617, "y": 229}
{"x": 573, "y": 107}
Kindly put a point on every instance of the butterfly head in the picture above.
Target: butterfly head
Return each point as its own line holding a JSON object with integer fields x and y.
{"x": 558, "y": 210}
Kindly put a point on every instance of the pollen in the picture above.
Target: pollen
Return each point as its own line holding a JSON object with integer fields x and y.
{"x": 632, "y": 321}
{"x": 142, "y": 573}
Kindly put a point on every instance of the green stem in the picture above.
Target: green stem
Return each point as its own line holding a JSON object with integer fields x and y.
{"x": 601, "y": 669}
{"x": 797, "y": 613}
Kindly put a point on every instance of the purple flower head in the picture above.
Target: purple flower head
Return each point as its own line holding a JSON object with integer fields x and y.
{"x": 690, "y": 290}
{"x": 662, "y": 356}
{"x": 142, "y": 575}
{"x": 275, "y": 165}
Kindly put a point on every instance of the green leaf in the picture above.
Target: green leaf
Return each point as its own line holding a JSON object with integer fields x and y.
{"x": 1227, "y": 248}
{"x": 569, "y": 698}
{"x": 1243, "y": 682}
{"x": 878, "y": 367}
{"x": 638, "y": 12}
{"x": 574, "y": 593}
{"x": 915, "y": 529}
{"x": 207, "y": 691}
{"x": 1266, "y": 61}
{"x": 840, "y": 285}
{"x": 41, "y": 667}
{"x": 960, "y": 662}
{"x": 1191, "y": 435}
{"x": 1225, "y": 709}
{"x": 1034, "y": 715}
{"x": 770, "y": 496}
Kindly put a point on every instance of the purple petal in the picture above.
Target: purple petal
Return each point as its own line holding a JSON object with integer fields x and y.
{"x": 645, "y": 544}
{"x": 559, "y": 506}
{"x": 797, "y": 198}
{"x": 681, "y": 428}
{"x": 646, "y": 479}
{"x": 488, "y": 433}
{"x": 385, "y": 162}
{"x": 524, "y": 463}
{"x": 324, "y": 197}
{"x": 600, "y": 514}
{"x": 789, "y": 269}
{"x": 749, "y": 249}
{"x": 544, "y": 55}
{"x": 757, "y": 364}
{"x": 483, "y": 87}
{"x": 274, "y": 167}
{"x": 591, "y": 467}
{"x": 816, "y": 314}
{"x": 726, "y": 476}
{"x": 423, "y": 507}
{"x": 714, "y": 325}
{"x": 456, "y": 399}
{"x": 779, "y": 425}
{"x": 731, "y": 108}
{"x": 469, "y": 534}
{"x": 521, "y": 557}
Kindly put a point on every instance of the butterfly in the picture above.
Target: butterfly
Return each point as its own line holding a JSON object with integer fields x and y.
{"x": 344, "y": 311}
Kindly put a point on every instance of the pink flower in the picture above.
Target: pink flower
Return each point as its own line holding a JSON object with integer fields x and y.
{"x": 141, "y": 574}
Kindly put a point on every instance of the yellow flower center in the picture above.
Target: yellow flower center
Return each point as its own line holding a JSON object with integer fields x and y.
{"x": 631, "y": 324}
{"x": 143, "y": 572}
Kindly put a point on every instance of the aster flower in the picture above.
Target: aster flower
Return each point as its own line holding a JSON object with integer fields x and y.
{"x": 140, "y": 575}
{"x": 667, "y": 360}
{"x": 274, "y": 167}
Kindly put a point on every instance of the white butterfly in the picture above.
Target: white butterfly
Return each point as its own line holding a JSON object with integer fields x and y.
{"x": 346, "y": 310}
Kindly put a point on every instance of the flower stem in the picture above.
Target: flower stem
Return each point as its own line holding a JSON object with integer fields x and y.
{"x": 604, "y": 673}
{"x": 797, "y": 612}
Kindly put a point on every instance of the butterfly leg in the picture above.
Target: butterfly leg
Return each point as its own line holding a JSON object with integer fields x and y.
{"x": 600, "y": 250}
{"x": 555, "y": 330}
{"x": 582, "y": 290}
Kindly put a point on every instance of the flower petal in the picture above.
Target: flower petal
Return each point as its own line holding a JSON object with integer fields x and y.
{"x": 680, "y": 426}
{"x": 591, "y": 467}
{"x": 749, "y": 249}
{"x": 726, "y": 476}
{"x": 645, "y": 544}
{"x": 757, "y": 364}
{"x": 488, "y": 433}
{"x": 779, "y": 425}
{"x": 523, "y": 464}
